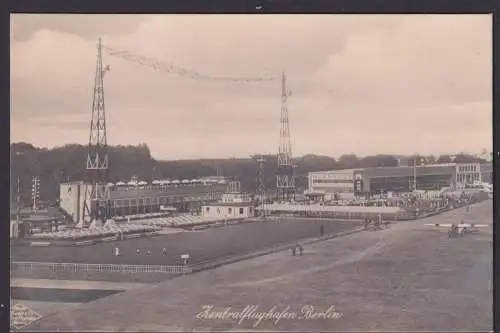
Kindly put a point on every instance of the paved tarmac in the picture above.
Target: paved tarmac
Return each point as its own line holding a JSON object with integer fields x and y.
{"x": 409, "y": 277}
{"x": 203, "y": 245}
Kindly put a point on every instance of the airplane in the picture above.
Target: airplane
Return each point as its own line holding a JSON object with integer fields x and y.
{"x": 458, "y": 230}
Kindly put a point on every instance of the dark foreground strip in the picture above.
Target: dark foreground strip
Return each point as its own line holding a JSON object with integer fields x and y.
{"x": 59, "y": 295}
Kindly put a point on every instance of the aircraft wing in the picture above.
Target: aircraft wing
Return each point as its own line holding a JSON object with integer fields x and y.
{"x": 440, "y": 225}
{"x": 472, "y": 225}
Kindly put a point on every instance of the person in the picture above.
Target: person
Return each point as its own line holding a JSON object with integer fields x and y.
{"x": 300, "y": 249}
{"x": 148, "y": 252}
{"x": 164, "y": 251}
{"x": 293, "y": 251}
{"x": 117, "y": 251}
{"x": 137, "y": 251}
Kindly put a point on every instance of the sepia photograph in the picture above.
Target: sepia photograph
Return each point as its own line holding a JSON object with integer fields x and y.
{"x": 261, "y": 173}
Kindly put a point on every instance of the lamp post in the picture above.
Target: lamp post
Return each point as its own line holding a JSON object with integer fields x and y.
{"x": 421, "y": 162}
{"x": 415, "y": 173}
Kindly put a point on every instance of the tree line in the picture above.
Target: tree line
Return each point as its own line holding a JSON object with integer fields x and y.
{"x": 67, "y": 163}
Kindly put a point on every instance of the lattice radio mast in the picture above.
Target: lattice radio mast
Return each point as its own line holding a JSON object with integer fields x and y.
{"x": 285, "y": 178}
{"x": 261, "y": 188}
{"x": 96, "y": 203}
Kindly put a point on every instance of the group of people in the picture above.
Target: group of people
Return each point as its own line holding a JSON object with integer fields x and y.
{"x": 297, "y": 248}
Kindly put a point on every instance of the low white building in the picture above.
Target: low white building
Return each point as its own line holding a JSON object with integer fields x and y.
{"x": 228, "y": 210}
{"x": 233, "y": 205}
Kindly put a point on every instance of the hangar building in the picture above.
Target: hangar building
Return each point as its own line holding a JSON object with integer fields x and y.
{"x": 139, "y": 199}
{"x": 367, "y": 181}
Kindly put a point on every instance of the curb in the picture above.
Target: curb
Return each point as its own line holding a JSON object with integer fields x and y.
{"x": 40, "y": 244}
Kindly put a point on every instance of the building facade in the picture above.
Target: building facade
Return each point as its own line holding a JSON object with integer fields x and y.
{"x": 228, "y": 210}
{"x": 338, "y": 182}
{"x": 368, "y": 181}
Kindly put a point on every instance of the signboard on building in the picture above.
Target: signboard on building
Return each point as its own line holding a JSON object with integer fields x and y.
{"x": 358, "y": 183}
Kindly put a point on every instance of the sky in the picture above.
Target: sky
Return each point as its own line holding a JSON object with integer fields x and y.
{"x": 362, "y": 84}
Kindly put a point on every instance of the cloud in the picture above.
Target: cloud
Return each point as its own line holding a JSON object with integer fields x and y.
{"x": 360, "y": 83}
{"x": 23, "y": 26}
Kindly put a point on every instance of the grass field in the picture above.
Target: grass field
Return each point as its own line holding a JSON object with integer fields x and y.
{"x": 203, "y": 245}
{"x": 408, "y": 277}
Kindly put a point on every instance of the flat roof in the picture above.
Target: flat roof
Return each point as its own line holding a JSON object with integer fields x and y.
{"x": 169, "y": 191}
{"x": 229, "y": 204}
{"x": 408, "y": 171}
{"x": 398, "y": 171}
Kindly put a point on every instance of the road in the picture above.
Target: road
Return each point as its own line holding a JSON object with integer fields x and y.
{"x": 408, "y": 277}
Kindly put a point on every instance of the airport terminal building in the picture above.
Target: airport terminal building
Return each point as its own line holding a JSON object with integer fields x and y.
{"x": 368, "y": 181}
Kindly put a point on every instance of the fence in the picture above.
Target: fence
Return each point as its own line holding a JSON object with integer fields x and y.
{"x": 77, "y": 267}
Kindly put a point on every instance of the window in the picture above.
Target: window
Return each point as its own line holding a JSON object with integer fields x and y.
{"x": 208, "y": 209}
{"x": 229, "y": 210}
{"x": 241, "y": 211}
{"x": 218, "y": 210}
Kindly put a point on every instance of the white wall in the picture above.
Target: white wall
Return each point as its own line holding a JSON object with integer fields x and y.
{"x": 71, "y": 197}
{"x": 68, "y": 199}
{"x": 14, "y": 229}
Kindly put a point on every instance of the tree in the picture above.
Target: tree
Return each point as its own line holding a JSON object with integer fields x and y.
{"x": 464, "y": 158}
{"x": 349, "y": 161}
{"x": 442, "y": 159}
{"x": 431, "y": 159}
{"x": 378, "y": 161}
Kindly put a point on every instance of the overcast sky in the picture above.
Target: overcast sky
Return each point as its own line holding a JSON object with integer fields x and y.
{"x": 360, "y": 84}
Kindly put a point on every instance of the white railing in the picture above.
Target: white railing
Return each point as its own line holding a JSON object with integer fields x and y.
{"x": 77, "y": 267}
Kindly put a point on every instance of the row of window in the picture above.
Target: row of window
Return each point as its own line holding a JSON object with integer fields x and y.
{"x": 467, "y": 168}
{"x": 349, "y": 189}
{"x": 464, "y": 178}
{"x": 344, "y": 175}
{"x": 229, "y": 210}
{"x": 156, "y": 201}
{"x": 333, "y": 181}
{"x": 331, "y": 186}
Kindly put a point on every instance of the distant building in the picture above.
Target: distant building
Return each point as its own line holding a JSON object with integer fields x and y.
{"x": 404, "y": 161}
{"x": 487, "y": 172}
{"x": 367, "y": 181}
{"x": 233, "y": 204}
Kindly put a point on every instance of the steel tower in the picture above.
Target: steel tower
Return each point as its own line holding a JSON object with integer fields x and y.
{"x": 261, "y": 187}
{"x": 96, "y": 203}
{"x": 285, "y": 179}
